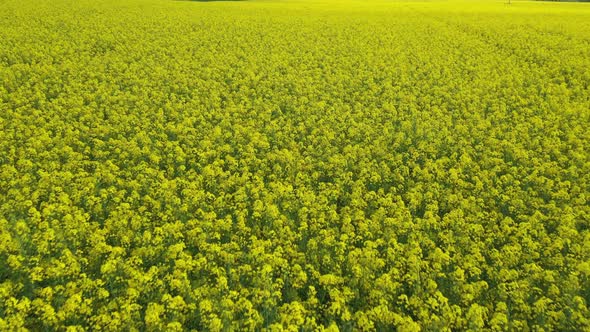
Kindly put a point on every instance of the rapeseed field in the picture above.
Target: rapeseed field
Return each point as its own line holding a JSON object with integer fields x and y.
{"x": 294, "y": 165}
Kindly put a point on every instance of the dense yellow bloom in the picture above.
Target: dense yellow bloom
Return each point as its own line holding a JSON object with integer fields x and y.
{"x": 294, "y": 165}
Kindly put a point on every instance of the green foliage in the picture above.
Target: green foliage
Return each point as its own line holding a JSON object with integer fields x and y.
{"x": 298, "y": 166}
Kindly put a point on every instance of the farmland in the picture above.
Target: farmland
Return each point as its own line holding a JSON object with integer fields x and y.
{"x": 294, "y": 165}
